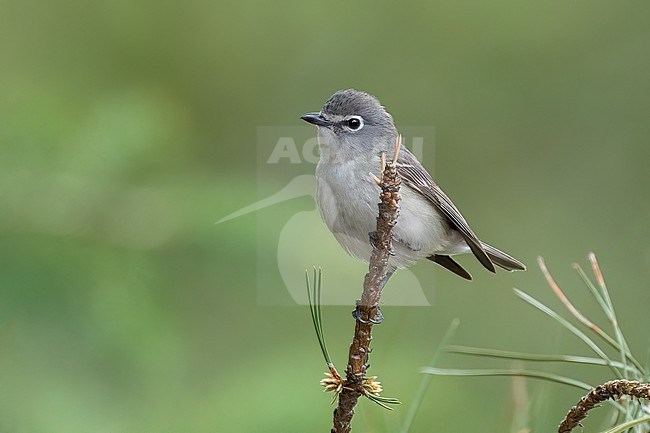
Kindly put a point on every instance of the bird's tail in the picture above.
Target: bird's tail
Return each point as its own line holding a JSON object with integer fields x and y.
{"x": 502, "y": 259}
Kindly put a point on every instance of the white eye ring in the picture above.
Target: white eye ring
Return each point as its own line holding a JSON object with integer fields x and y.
{"x": 354, "y": 123}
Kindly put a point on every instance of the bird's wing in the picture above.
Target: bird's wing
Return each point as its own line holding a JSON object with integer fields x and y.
{"x": 417, "y": 178}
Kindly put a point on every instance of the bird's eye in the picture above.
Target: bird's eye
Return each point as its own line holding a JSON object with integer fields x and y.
{"x": 354, "y": 123}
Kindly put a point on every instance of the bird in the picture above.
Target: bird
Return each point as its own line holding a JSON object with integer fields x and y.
{"x": 354, "y": 129}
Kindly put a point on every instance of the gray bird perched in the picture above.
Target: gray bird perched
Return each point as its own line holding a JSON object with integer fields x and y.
{"x": 353, "y": 130}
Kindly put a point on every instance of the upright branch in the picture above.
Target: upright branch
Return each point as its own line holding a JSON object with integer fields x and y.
{"x": 613, "y": 390}
{"x": 379, "y": 271}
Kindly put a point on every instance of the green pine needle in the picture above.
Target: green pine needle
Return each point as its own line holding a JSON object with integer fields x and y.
{"x": 543, "y": 375}
{"x": 627, "y": 425}
{"x": 605, "y": 302}
{"x": 570, "y": 327}
{"x": 383, "y": 401}
{"x": 521, "y": 356}
{"x": 314, "y": 296}
{"x": 627, "y": 367}
{"x": 592, "y": 288}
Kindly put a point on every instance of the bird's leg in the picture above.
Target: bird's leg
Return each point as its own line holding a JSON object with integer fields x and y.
{"x": 356, "y": 314}
{"x": 378, "y": 318}
{"x": 389, "y": 273}
{"x": 392, "y": 252}
{"x": 374, "y": 239}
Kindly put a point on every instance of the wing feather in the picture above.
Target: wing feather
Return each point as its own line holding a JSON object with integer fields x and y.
{"x": 417, "y": 178}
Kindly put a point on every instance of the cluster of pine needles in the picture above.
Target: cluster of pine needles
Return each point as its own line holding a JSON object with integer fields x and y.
{"x": 611, "y": 350}
{"x": 371, "y": 388}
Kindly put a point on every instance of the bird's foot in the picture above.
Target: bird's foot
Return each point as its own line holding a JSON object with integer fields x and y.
{"x": 374, "y": 241}
{"x": 374, "y": 237}
{"x": 376, "y": 320}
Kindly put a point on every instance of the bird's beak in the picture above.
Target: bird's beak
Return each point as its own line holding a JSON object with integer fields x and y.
{"x": 316, "y": 119}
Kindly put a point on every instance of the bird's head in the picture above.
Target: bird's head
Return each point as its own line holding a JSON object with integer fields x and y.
{"x": 353, "y": 123}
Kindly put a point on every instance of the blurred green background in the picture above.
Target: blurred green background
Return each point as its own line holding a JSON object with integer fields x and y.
{"x": 127, "y": 128}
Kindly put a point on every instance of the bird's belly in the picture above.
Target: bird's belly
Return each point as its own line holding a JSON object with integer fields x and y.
{"x": 420, "y": 230}
{"x": 351, "y": 214}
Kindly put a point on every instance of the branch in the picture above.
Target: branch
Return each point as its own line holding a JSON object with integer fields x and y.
{"x": 368, "y": 306}
{"x": 614, "y": 390}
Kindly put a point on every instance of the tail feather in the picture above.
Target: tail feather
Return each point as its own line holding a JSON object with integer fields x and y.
{"x": 502, "y": 259}
{"x": 450, "y": 264}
